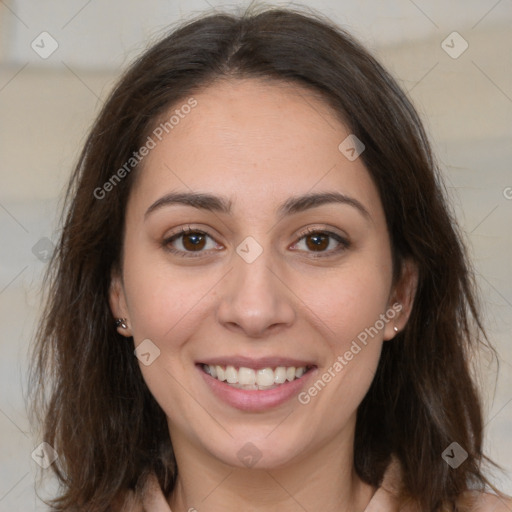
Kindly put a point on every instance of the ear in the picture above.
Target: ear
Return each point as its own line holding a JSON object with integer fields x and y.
{"x": 118, "y": 304}
{"x": 402, "y": 299}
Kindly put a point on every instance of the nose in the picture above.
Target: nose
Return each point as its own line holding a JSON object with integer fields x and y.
{"x": 254, "y": 299}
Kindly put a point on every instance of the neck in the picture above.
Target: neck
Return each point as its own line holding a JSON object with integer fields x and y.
{"x": 321, "y": 479}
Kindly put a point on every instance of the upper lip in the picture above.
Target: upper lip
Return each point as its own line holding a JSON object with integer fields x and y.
{"x": 256, "y": 363}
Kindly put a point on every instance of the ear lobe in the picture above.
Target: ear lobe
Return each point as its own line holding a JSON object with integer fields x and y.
{"x": 403, "y": 294}
{"x": 117, "y": 302}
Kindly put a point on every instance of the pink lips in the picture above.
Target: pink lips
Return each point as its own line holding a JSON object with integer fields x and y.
{"x": 256, "y": 400}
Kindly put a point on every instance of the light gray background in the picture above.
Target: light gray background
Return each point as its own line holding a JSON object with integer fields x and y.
{"x": 47, "y": 106}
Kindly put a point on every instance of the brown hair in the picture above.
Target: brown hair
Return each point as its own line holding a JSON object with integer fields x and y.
{"x": 89, "y": 395}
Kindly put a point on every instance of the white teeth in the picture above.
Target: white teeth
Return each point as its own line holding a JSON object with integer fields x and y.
{"x": 280, "y": 375}
{"x": 265, "y": 377}
{"x": 221, "y": 375}
{"x": 248, "y": 378}
{"x": 231, "y": 375}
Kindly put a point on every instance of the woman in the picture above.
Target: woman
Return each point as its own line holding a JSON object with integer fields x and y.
{"x": 260, "y": 300}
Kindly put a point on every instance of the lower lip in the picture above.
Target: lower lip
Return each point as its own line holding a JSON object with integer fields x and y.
{"x": 256, "y": 400}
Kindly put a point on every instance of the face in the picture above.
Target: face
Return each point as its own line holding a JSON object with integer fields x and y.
{"x": 289, "y": 299}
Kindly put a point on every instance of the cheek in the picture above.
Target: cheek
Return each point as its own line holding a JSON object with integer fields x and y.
{"x": 163, "y": 300}
{"x": 348, "y": 307}
{"x": 348, "y": 313}
{"x": 346, "y": 302}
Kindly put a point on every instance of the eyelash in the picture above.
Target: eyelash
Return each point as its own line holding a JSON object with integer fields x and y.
{"x": 343, "y": 242}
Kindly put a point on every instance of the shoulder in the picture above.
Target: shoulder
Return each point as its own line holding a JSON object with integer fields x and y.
{"x": 387, "y": 496}
{"x": 487, "y": 502}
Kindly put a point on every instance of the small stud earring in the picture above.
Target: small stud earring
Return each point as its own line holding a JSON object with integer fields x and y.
{"x": 121, "y": 322}
{"x": 395, "y": 328}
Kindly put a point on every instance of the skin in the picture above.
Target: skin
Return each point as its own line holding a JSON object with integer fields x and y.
{"x": 259, "y": 143}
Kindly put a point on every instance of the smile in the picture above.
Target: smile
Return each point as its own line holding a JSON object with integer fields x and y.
{"x": 254, "y": 379}
{"x": 256, "y": 385}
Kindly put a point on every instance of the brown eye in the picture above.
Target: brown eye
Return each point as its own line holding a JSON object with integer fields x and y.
{"x": 189, "y": 241}
{"x": 194, "y": 241}
{"x": 324, "y": 243}
{"x": 317, "y": 242}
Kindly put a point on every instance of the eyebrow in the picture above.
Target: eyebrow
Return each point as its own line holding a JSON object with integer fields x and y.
{"x": 221, "y": 204}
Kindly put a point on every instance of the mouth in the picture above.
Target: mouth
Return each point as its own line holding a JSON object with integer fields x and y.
{"x": 256, "y": 385}
{"x": 255, "y": 378}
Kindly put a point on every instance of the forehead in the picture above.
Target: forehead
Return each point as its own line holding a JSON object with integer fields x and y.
{"x": 255, "y": 141}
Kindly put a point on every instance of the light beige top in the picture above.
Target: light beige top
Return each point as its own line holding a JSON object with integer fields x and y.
{"x": 152, "y": 499}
